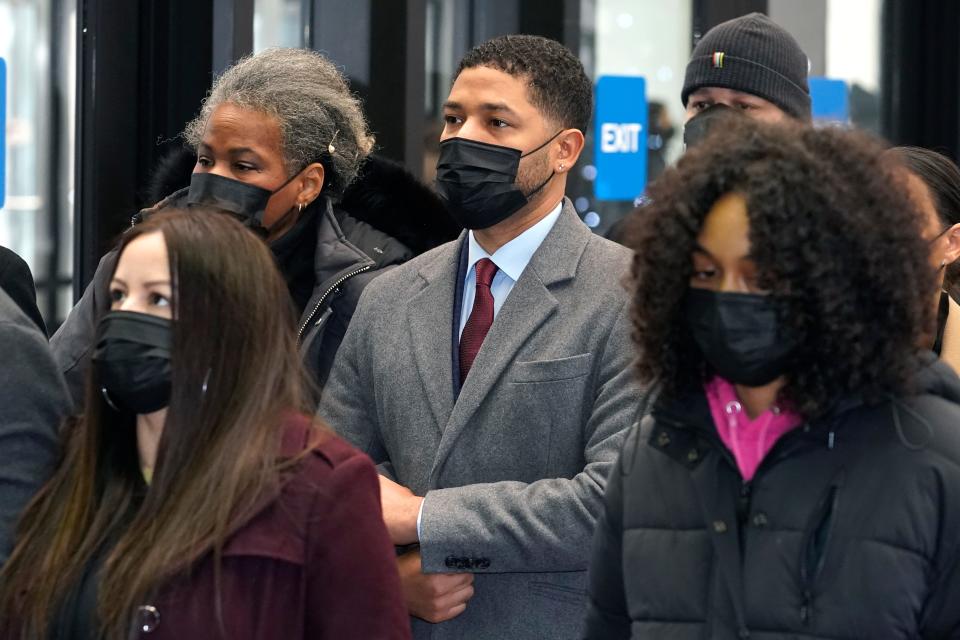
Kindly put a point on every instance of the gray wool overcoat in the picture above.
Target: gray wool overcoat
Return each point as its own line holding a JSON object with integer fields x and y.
{"x": 514, "y": 466}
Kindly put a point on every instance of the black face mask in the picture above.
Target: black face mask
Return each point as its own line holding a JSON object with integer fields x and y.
{"x": 477, "y": 181}
{"x": 740, "y": 335}
{"x": 699, "y": 126}
{"x": 132, "y": 361}
{"x": 246, "y": 201}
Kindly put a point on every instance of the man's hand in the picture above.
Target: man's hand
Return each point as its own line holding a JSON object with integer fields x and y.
{"x": 434, "y": 597}
{"x": 400, "y": 510}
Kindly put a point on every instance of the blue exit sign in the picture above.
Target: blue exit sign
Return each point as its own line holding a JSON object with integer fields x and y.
{"x": 620, "y": 138}
{"x": 830, "y": 100}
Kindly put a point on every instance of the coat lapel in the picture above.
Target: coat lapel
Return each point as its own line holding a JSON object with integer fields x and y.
{"x": 529, "y": 305}
{"x": 428, "y": 315}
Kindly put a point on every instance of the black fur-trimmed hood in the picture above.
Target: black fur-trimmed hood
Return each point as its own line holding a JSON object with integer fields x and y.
{"x": 388, "y": 198}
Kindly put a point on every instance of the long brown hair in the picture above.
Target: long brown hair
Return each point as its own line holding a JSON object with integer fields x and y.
{"x": 236, "y": 372}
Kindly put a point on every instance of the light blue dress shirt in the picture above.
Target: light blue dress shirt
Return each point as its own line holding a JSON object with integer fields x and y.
{"x": 511, "y": 259}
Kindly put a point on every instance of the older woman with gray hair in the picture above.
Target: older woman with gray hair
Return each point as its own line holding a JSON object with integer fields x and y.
{"x": 278, "y": 129}
{"x": 279, "y": 142}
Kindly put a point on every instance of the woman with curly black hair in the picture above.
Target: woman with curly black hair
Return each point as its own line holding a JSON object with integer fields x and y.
{"x": 799, "y": 473}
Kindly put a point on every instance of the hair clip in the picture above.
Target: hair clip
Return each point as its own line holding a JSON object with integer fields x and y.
{"x": 330, "y": 146}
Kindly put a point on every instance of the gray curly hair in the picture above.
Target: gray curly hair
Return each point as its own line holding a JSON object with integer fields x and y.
{"x": 320, "y": 119}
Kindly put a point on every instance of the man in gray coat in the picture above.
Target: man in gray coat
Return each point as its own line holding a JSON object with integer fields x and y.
{"x": 490, "y": 378}
{"x": 33, "y": 402}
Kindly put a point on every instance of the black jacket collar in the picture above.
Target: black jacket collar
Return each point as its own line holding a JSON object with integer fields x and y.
{"x": 684, "y": 422}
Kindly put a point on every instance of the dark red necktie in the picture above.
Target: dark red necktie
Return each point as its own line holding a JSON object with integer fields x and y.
{"x": 481, "y": 317}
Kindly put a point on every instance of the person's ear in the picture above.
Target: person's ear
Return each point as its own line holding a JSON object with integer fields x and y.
{"x": 311, "y": 183}
{"x": 567, "y": 149}
{"x": 952, "y": 254}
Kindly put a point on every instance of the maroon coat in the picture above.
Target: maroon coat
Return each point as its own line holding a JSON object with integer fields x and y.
{"x": 315, "y": 563}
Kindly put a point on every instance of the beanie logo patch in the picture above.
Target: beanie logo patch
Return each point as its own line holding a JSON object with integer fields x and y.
{"x": 718, "y": 60}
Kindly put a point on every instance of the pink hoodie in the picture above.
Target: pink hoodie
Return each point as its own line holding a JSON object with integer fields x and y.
{"x": 748, "y": 440}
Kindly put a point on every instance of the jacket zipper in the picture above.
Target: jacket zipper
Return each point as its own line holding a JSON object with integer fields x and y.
{"x": 814, "y": 554}
{"x": 326, "y": 293}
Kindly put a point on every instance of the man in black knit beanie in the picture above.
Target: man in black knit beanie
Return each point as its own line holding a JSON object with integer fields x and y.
{"x": 750, "y": 64}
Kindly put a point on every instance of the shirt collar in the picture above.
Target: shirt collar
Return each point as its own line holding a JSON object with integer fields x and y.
{"x": 513, "y": 257}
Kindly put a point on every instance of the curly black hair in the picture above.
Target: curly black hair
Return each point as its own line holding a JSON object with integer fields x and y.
{"x": 832, "y": 231}
{"x": 559, "y": 87}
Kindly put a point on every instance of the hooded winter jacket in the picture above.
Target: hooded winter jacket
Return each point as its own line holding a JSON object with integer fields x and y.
{"x": 385, "y": 218}
{"x": 849, "y": 529}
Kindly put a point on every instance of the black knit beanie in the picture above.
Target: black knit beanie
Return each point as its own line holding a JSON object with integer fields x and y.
{"x": 755, "y": 55}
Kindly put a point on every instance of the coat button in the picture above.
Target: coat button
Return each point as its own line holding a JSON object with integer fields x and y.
{"x": 693, "y": 455}
{"x": 743, "y": 634}
{"x": 663, "y": 440}
{"x": 760, "y": 520}
{"x": 719, "y": 526}
{"x": 148, "y": 618}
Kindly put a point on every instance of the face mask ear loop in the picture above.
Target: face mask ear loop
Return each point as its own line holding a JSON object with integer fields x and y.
{"x": 283, "y": 218}
{"x": 542, "y": 185}
{"x": 551, "y": 139}
{"x": 552, "y": 173}
{"x": 288, "y": 181}
{"x": 299, "y": 208}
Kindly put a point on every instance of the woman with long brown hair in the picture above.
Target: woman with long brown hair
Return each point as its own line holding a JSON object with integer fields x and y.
{"x": 195, "y": 499}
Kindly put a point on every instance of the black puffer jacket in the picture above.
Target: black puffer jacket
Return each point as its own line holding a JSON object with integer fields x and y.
{"x": 850, "y": 528}
{"x": 385, "y": 218}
